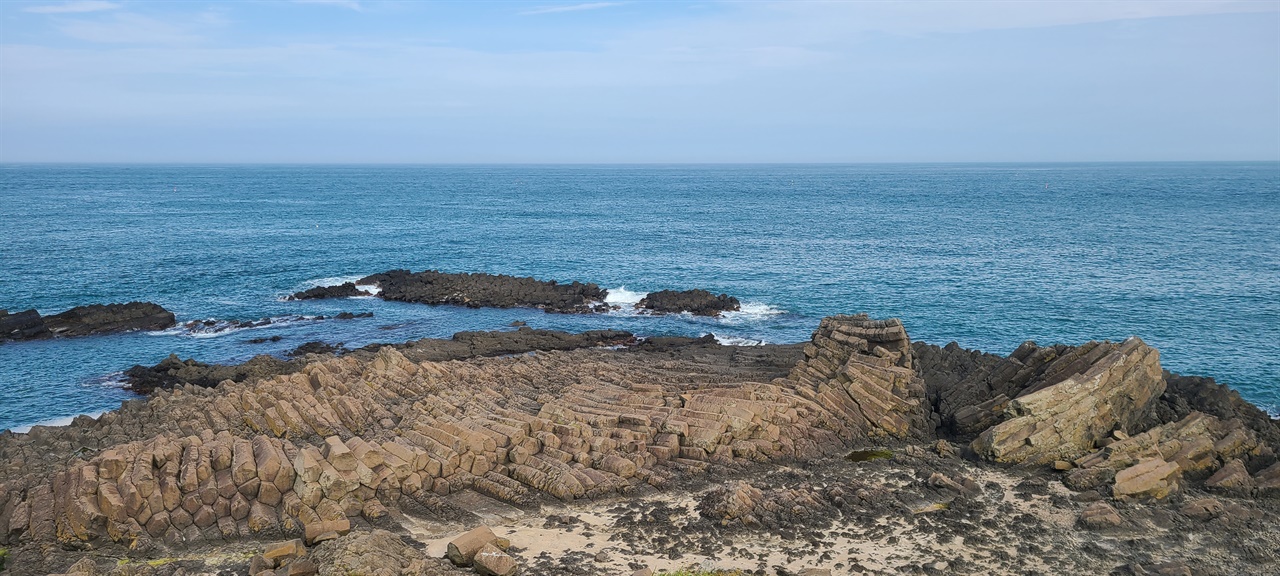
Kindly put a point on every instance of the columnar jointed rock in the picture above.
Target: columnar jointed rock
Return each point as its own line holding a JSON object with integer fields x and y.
{"x": 85, "y": 320}
{"x": 1155, "y": 463}
{"x": 1063, "y": 418}
{"x": 303, "y": 454}
{"x": 861, "y": 370}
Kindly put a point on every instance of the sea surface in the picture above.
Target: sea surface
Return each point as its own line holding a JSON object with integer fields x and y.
{"x": 1186, "y": 256}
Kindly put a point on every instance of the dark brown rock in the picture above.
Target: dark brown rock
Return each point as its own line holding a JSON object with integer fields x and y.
{"x": 697, "y": 302}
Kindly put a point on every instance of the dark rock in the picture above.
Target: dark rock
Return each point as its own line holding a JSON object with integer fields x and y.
{"x": 486, "y": 291}
{"x": 345, "y": 290}
{"x": 264, "y": 340}
{"x": 173, "y": 371}
{"x": 350, "y": 316}
{"x": 85, "y": 321}
{"x": 316, "y": 347}
{"x": 24, "y": 325}
{"x": 697, "y": 302}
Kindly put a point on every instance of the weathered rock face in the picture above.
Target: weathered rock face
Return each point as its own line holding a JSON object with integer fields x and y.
{"x": 344, "y": 290}
{"x": 85, "y": 320}
{"x": 697, "y": 302}
{"x": 376, "y": 552}
{"x": 487, "y": 290}
{"x": 1158, "y": 462}
{"x": 343, "y": 439}
{"x": 25, "y": 325}
{"x": 1075, "y": 400}
{"x": 861, "y": 371}
{"x": 174, "y": 372}
{"x": 971, "y": 390}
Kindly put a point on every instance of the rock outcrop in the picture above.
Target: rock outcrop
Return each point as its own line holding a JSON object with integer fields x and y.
{"x": 175, "y": 372}
{"x": 1158, "y": 462}
{"x": 1076, "y": 399}
{"x": 345, "y": 438}
{"x": 487, "y": 291}
{"x": 481, "y": 290}
{"x": 85, "y": 321}
{"x": 320, "y": 457}
{"x": 344, "y": 290}
{"x": 861, "y": 370}
{"x": 697, "y": 302}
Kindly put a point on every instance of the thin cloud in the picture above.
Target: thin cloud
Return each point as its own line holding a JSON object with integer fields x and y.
{"x": 571, "y": 8}
{"x": 74, "y": 7}
{"x": 352, "y": 4}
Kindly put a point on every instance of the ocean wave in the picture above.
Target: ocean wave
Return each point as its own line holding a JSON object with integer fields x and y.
{"x": 372, "y": 289}
{"x": 620, "y": 296}
{"x": 737, "y": 341}
{"x": 751, "y": 312}
{"x": 213, "y": 327}
{"x": 63, "y": 421}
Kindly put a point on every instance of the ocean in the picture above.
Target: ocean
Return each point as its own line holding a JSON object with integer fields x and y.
{"x": 1184, "y": 255}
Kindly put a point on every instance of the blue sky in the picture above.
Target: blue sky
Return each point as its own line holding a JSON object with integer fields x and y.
{"x": 368, "y": 81}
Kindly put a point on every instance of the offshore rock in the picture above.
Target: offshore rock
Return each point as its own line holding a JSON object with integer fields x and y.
{"x": 85, "y": 321}
{"x": 1078, "y": 400}
{"x": 344, "y": 290}
{"x": 25, "y": 325}
{"x": 486, "y": 291}
{"x": 697, "y": 302}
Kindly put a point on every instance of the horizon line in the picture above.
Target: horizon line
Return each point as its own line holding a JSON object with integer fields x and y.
{"x": 673, "y": 163}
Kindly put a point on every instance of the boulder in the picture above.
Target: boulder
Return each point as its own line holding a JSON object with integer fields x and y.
{"x": 462, "y": 550}
{"x": 1232, "y": 478}
{"x": 1100, "y": 515}
{"x": 492, "y": 561}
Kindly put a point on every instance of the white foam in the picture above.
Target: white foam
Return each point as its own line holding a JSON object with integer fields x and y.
{"x": 750, "y": 312}
{"x": 53, "y": 422}
{"x": 372, "y": 289}
{"x": 620, "y": 296}
{"x": 737, "y": 341}
{"x": 224, "y": 327}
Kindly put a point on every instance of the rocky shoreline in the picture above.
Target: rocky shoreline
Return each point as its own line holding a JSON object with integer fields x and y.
{"x": 85, "y": 321}
{"x": 481, "y": 290}
{"x": 857, "y": 452}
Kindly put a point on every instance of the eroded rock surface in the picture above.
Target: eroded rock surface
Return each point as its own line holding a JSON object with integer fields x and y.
{"x": 698, "y": 302}
{"x": 344, "y": 290}
{"x": 85, "y": 321}
{"x": 1077, "y": 399}
{"x": 487, "y": 290}
{"x": 707, "y": 444}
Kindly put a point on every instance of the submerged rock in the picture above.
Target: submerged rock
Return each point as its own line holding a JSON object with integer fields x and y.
{"x": 85, "y": 321}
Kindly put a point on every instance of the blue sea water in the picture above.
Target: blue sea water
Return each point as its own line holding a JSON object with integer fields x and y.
{"x": 1187, "y": 256}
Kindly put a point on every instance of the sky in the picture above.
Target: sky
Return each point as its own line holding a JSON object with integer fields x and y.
{"x": 362, "y": 81}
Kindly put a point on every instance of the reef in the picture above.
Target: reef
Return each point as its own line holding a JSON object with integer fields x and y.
{"x": 599, "y": 453}
{"x": 85, "y": 321}
{"x": 480, "y": 290}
